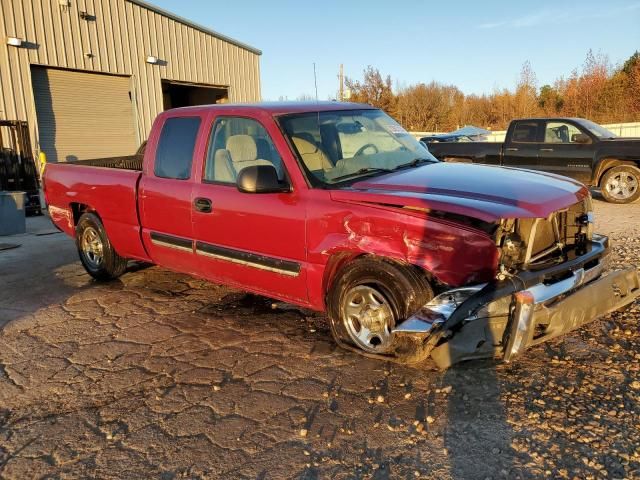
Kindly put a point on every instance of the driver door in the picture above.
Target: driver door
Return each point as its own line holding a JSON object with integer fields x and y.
{"x": 252, "y": 240}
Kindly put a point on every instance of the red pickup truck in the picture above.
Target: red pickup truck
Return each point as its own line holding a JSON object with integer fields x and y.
{"x": 335, "y": 207}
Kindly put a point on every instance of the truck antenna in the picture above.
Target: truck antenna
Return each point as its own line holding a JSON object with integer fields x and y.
{"x": 315, "y": 80}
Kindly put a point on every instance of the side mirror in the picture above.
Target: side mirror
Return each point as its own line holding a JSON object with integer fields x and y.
{"x": 580, "y": 138}
{"x": 260, "y": 179}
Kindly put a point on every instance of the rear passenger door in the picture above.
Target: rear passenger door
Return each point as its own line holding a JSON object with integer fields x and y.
{"x": 253, "y": 240}
{"x": 560, "y": 152}
{"x": 165, "y": 194}
{"x": 521, "y": 146}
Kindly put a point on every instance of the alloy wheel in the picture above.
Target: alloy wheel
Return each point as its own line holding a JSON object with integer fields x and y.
{"x": 622, "y": 185}
{"x": 368, "y": 319}
{"x": 92, "y": 247}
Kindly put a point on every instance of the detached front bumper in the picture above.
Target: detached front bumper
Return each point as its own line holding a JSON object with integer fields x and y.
{"x": 538, "y": 317}
{"x": 504, "y": 318}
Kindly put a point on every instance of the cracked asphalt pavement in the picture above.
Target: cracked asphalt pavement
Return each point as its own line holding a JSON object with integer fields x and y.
{"x": 158, "y": 375}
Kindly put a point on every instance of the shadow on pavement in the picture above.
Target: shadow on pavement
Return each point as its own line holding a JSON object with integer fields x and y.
{"x": 477, "y": 435}
{"x": 42, "y": 269}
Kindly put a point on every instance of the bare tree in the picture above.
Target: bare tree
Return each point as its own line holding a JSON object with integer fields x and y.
{"x": 526, "y": 103}
{"x": 373, "y": 89}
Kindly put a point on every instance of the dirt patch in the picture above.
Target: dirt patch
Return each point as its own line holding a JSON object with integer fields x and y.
{"x": 162, "y": 376}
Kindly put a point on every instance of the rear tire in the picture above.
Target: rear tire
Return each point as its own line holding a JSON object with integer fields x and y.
{"x": 621, "y": 184}
{"x": 369, "y": 298}
{"x": 97, "y": 255}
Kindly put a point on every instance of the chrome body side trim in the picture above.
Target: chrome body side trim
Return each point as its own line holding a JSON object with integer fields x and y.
{"x": 248, "y": 259}
{"x": 169, "y": 241}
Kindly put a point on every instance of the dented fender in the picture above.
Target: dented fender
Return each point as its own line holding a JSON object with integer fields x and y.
{"x": 452, "y": 254}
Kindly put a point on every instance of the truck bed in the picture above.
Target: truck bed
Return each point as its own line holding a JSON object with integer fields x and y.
{"x": 129, "y": 162}
{"x": 108, "y": 186}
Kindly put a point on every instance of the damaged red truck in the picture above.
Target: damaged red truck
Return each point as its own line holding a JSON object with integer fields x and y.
{"x": 335, "y": 207}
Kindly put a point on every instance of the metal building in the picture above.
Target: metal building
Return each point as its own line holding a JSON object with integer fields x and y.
{"x": 89, "y": 76}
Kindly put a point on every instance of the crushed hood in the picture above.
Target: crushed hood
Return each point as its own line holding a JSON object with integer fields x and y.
{"x": 487, "y": 193}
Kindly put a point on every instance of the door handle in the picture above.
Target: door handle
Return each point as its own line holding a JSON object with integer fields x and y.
{"x": 512, "y": 149}
{"x": 546, "y": 149}
{"x": 203, "y": 205}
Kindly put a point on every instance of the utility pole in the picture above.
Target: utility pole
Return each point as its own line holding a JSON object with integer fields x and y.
{"x": 341, "y": 84}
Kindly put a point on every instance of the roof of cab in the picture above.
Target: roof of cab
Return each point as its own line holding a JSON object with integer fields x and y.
{"x": 279, "y": 108}
{"x": 553, "y": 119}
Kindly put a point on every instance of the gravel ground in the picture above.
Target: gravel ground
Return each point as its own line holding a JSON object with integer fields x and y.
{"x": 162, "y": 376}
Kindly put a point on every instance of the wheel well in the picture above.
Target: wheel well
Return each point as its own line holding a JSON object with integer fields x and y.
{"x": 339, "y": 260}
{"x": 335, "y": 264}
{"x": 78, "y": 209}
{"x": 609, "y": 163}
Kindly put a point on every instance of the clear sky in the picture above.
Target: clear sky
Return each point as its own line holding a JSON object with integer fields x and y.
{"x": 475, "y": 45}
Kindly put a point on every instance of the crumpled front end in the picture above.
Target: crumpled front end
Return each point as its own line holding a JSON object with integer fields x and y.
{"x": 505, "y": 317}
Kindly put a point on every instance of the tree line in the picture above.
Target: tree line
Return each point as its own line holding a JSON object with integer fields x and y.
{"x": 598, "y": 91}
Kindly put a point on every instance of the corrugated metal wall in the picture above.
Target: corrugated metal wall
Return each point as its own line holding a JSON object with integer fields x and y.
{"x": 116, "y": 38}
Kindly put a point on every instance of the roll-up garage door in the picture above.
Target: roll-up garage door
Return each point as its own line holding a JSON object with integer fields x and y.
{"x": 83, "y": 115}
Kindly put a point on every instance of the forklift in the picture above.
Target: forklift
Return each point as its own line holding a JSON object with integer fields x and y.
{"x": 18, "y": 171}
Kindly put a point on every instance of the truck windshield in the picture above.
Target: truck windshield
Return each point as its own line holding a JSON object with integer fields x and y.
{"x": 598, "y": 130}
{"x": 344, "y": 145}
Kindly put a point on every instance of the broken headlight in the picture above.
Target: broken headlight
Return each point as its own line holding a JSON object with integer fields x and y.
{"x": 442, "y": 306}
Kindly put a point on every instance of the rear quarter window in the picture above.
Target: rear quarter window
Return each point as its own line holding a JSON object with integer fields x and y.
{"x": 175, "y": 148}
{"x": 525, "y": 132}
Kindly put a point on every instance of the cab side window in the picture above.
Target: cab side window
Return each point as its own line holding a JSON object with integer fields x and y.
{"x": 175, "y": 147}
{"x": 560, "y": 132}
{"x": 525, "y": 132}
{"x": 236, "y": 143}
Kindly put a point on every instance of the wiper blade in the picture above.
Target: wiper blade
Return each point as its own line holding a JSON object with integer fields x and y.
{"x": 413, "y": 163}
{"x": 362, "y": 171}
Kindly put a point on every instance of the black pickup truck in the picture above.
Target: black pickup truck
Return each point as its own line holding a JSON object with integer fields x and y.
{"x": 573, "y": 147}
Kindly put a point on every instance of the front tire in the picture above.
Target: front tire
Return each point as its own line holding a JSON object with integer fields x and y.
{"x": 97, "y": 255}
{"x": 369, "y": 298}
{"x": 621, "y": 184}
